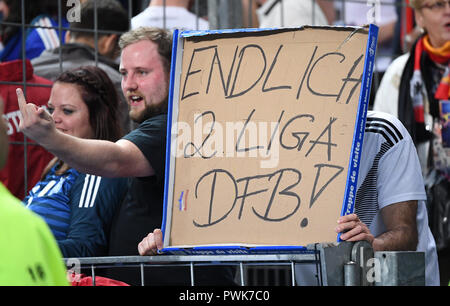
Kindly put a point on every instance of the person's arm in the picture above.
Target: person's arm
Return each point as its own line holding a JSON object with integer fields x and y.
{"x": 328, "y": 10}
{"x": 99, "y": 157}
{"x": 401, "y": 234}
{"x": 400, "y": 222}
{"x": 249, "y": 16}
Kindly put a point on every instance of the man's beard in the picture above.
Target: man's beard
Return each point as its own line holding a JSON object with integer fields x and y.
{"x": 149, "y": 111}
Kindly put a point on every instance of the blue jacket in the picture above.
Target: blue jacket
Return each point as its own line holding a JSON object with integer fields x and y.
{"x": 78, "y": 208}
{"x": 37, "y": 39}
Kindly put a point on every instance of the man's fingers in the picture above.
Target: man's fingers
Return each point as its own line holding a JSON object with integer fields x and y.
{"x": 42, "y": 113}
{"x": 28, "y": 109}
{"x": 145, "y": 246}
{"x": 21, "y": 100}
{"x": 352, "y": 231}
{"x": 342, "y": 227}
{"x": 141, "y": 248}
{"x": 359, "y": 237}
{"x": 150, "y": 244}
{"x": 348, "y": 218}
{"x": 157, "y": 235}
{"x": 35, "y": 122}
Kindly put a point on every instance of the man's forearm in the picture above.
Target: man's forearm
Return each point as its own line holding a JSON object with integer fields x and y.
{"x": 86, "y": 155}
{"x": 398, "y": 239}
{"x": 99, "y": 157}
{"x": 401, "y": 228}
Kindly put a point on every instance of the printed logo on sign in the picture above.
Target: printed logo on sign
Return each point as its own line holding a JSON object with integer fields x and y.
{"x": 74, "y": 13}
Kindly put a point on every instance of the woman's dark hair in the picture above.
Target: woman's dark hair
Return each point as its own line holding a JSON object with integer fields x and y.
{"x": 100, "y": 96}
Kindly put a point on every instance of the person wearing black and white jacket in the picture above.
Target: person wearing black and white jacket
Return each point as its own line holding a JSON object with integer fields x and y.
{"x": 390, "y": 206}
{"x": 390, "y": 210}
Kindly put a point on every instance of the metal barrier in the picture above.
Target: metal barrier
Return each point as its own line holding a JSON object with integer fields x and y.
{"x": 336, "y": 264}
{"x": 243, "y": 262}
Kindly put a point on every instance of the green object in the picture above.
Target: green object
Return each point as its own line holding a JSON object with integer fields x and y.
{"x": 29, "y": 254}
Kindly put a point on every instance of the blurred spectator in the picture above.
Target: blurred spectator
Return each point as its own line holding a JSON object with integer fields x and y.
{"x": 384, "y": 15}
{"x": 390, "y": 199}
{"x": 411, "y": 38}
{"x": 36, "y": 157}
{"x": 40, "y": 15}
{"x": 249, "y": 15}
{"x": 4, "y": 10}
{"x": 81, "y": 47}
{"x": 29, "y": 256}
{"x": 79, "y": 207}
{"x": 415, "y": 88}
{"x": 134, "y": 6}
{"x": 294, "y": 13}
{"x": 174, "y": 15}
{"x": 404, "y": 32}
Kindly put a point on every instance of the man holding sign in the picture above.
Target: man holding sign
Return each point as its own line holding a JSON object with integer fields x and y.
{"x": 390, "y": 211}
{"x": 390, "y": 200}
{"x": 140, "y": 155}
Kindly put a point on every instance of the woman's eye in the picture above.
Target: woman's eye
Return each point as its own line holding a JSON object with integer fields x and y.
{"x": 67, "y": 111}
{"x": 50, "y": 110}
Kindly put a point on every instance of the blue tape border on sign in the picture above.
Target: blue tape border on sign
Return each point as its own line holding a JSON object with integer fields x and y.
{"x": 348, "y": 206}
{"x": 169, "y": 126}
{"x": 355, "y": 156}
{"x": 237, "y": 250}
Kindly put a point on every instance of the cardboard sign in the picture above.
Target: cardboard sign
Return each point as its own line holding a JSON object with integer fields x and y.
{"x": 266, "y": 131}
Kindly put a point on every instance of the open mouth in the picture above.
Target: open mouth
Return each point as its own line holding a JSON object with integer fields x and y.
{"x": 135, "y": 99}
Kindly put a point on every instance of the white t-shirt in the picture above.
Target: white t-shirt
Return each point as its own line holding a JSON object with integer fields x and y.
{"x": 365, "y": 12}
{"x": 378, "y": 12}
{"x": 390, "y": 173}
{"x": 175, "y": 18}
{"x": 290, "y": 13}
